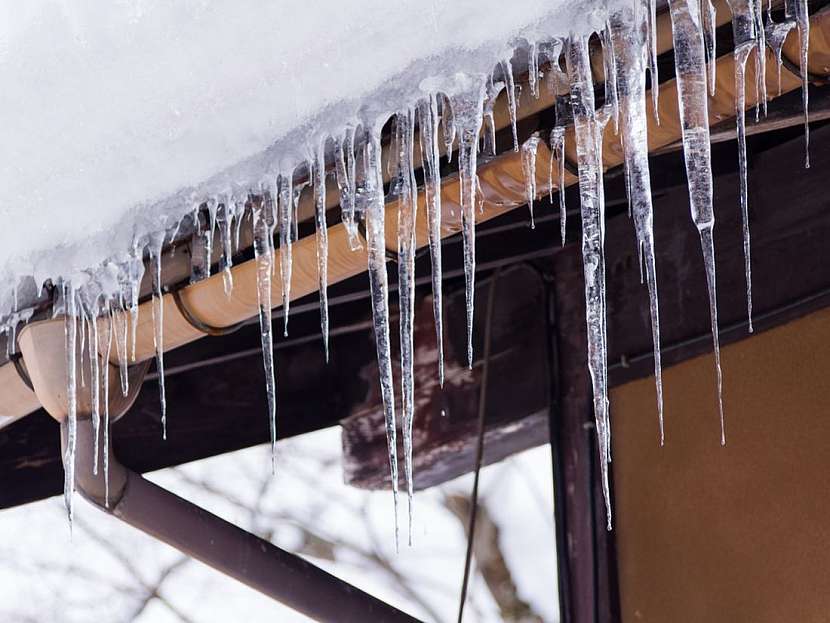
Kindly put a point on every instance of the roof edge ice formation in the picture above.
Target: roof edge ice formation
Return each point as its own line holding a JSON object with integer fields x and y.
{"x": 456, "y": 91}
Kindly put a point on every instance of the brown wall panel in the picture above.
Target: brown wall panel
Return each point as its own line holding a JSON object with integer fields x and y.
{"x": 734, "y": 533}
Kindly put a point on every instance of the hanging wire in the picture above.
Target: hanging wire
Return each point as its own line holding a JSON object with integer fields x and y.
{"x": 482, "y": 403}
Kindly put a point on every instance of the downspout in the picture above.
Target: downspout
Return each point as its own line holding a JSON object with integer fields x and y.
{"x": 171, "y": 519}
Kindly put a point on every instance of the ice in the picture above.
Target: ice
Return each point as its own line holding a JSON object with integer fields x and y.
{"x": 708, "y": 13}
{"x": 588, "y": 129}
{"x": 319, "y": 177}
{"x": 134, "y": 275}
{"x": 226, "y": 228}
{"x": 407, "y": 191}
{"x": 90, "y": 318}
{"x": 106, "y": 396}
{"x": 378, "y": 284}
{"x": 798, "y": 9}
{"x": 529, "y": 148}
{"x": 507, "y": 70}
{"x": 196, "y": 126}
{"x": 430, "y": 157}
{"x": 494, "y": 88}
{"x": 448, "y": 129}
{"x": 344, "y": 162}
{"x": 467, "y": 110}
{"x": 557, "y": 148}
{"x": 285, "y": 216}
{"x": 687, "y": 34}
{"x": 776, "y": 34}
{"x": 121, "y": 328}
{"x": 263, "y": 234}
{"x": 629, "y": 32}
{"x": 71, "y": 335}
{"x": 652, "y": 58}
{"x": 155, "y": 247}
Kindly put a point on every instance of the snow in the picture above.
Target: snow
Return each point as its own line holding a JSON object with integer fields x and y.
{"x": 121, "y": 113}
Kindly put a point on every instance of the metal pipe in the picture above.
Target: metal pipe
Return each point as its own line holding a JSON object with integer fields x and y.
{"x": 165, "y": 516}
{"x": 255, "y": 562}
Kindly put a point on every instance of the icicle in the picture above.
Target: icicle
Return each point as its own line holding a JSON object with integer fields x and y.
{"x": 760, "y": 59}
{"x": 747, "y": 37}
{"x": 430, "y": 156}
{"x": 803, "y": 22}
{"x": 106, "y": 381}
{"x": 378, "y": 283}
{"x": 448, "y": 127}
{"x": 95, "y": 381}
{"x": 493, "y": 91}
{"x": 694, "y": 115}
{"x": 529, "y": 148}
{"x": 407, "y": 214}
{"x": 70, "y": 334}
{"x": 589, "y": 153}
{"x": 652, "y": 58}
{"x": 263, "y": 232}
{"x": 557, "y": 147}
{"x": 468, "y": 110}
{"x": 226, "y": 262}
{"x": 629, "y": 34}
{"x": 121, "y": 345}
{"x": 709, "y": 17}
{"x": 609, "y": 66}
{"x": 83, "y": 327}
{"x": 319, "y": 177}
{"x": 158, "y": 327}
{"x": 344, "y": 170}
{"x": 285, "y": 209}
{"x": 135, "y": 273}
{"x": 507, "y": 68}
{"x": 533, "y": 69}
{"x": 776, "y": 34}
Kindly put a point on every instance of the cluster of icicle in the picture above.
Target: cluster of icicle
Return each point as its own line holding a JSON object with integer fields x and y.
{"x": 462, "y": 122}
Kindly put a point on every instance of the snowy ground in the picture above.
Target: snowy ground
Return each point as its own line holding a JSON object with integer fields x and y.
{"x": 104, "y": 571}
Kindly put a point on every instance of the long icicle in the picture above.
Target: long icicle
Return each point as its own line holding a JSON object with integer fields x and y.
{"x": 319, "y": 177}
{"x": 121, "y": 344}
{"x": 158, "y": 328}
{"x": 407, "y": 214}
{"x": 557, "y": 147}
{"x": 95, "y": 380}
{"x": 430, "y": 155}
{"x": 741, "y": 55}
{"x": 589, "y": 154}
{"x": 652, "y": 58}
{"x": 802, "y": 19}
{"x": 467, "y": 109}
{"x": 285, "y": 213}
{"x": 629, "y": 31}
{"x": 379, "y": 286}
{"x": 71, "y": 337}
{"x": 263, "y": 233}
{"x": 694, "y": 114}
{"x": 106, "y": 380}
{"x": 529, "y": 148}
{"x": 344, "y": 170}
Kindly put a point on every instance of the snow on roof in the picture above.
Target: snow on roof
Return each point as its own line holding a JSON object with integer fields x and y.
{"x": 115, "y": 115}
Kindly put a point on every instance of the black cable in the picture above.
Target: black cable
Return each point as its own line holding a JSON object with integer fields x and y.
{"x": 482, "y": 403}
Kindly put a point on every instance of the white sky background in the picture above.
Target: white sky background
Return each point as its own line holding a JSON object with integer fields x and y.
{"x": 46, "y": 577}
